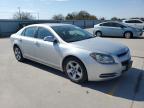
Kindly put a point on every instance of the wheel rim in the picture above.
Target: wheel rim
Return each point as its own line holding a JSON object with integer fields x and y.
{"x": 74, "y": 70}
{"x": 98, "y": 34}
{"x": 128, "y": 35}
{"x": 17, "y": 53}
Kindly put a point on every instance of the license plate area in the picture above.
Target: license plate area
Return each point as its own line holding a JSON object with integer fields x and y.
{"x": 127, "y": 64}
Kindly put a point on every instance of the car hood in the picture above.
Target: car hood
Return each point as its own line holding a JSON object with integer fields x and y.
{"x": 101, "y": 45}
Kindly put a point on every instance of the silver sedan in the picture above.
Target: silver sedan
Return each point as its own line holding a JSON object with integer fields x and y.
{"x": 116, "y": 29}
{"x": 72, "y": 50}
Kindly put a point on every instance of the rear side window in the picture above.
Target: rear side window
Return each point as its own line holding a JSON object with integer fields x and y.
{"x": 106, "y": 24}
{"x": 116, "y": 25}
{"x": 137, "y": 21}
{"x": 29, "y": 32}
{"x": 42, "y": 33}
{"x": 130, "y": 21}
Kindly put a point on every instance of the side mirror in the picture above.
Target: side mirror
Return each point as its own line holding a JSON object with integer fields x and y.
{"x": 50, "y": 39}
{"x": 55, "y": 41}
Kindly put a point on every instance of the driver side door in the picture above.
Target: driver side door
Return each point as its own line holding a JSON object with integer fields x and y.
{"x": 47, "y": 51}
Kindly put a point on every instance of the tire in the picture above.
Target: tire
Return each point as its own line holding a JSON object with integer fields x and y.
{"x": 75, "y": 70}
{"x": 18, "y": 54}
{"x": 128, "y": 35}
{"x": 98, "y": 33}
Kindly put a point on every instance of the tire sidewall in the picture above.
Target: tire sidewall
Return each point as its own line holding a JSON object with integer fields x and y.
{"x": 84, "y": 72}
{"x": 129, "y": 36}
{"x": 97, "y": 33}
{"x": 21, "y": 59}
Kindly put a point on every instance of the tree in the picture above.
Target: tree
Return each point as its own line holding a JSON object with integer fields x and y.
{"x": 71, "y": 16}
{"x": 115, "y": 18}
{"x": 23, "y": 16}
{"x": 82, "y": 15}
{"x": 102, "y": 18}
{"x": 58, "y": 17}
{"x": 93, "y": 17}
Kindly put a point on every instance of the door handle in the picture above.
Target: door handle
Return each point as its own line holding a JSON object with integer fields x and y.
{"x": 37, "y": 43}
{"x": 20, "y": 40}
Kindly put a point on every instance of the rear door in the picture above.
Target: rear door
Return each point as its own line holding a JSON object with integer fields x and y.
{"x": 28, "y": 42}
{"x": 116, "y": 29}
{"x": 106, "y": 29}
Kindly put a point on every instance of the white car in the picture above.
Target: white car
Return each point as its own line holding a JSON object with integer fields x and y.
{"x": 137, "y": 23}
{"x": 116, "y": 29}
{"x": 72, "y": 50}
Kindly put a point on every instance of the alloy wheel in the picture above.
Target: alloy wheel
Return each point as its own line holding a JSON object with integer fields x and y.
{"x": 128, "y": 35}
{"x": 18, "y": 54}
{"x": 74, "y": 70}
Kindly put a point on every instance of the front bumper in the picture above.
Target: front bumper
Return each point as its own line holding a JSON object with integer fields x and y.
{"x": 138, "y": 34}
{"x": 101, "y": 72}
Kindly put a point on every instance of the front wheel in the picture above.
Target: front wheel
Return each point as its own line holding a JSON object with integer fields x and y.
{"x": 128, "y": 35}
{"x": 75, "y": 70}
{"x": 98, "y": 34}
{"x": 18, "y": 54}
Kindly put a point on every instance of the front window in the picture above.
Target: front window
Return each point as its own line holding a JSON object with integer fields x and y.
{"x": 70, "y": 33}
{"x": 42, "y": 33}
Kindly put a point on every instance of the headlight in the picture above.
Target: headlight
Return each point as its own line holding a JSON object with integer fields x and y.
{"x": 102, "y": 58}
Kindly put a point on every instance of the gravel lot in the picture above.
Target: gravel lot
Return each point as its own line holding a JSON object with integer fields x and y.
{"x": 32, "y": 85}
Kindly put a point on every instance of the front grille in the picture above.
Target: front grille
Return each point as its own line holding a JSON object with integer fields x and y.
{"x": 107, "y": 75}
{"x": 125, "y": 63}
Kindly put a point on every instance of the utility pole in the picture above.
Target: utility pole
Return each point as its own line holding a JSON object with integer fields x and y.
{"x": 38, "y": 15}
{"x": 19, "y": 11}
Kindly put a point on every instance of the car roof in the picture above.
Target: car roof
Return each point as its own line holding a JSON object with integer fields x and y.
{"x": 49, "y": 24}
{"x": 110, "y": 22}
{"x": 132, "y": 19}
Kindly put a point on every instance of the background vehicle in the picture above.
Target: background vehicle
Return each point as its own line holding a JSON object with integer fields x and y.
{"x": 72, "y": 50}
{"x": 116, "y": 29}
{"x": 137, "y": 23}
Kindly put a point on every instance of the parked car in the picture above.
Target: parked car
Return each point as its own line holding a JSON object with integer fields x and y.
{"x": 135, "y": 23}
{"x": 116, "y": 29}
{"x": 72, "y": 50}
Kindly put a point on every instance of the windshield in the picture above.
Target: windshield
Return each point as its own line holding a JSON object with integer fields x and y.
{"x": 70, "y": 33}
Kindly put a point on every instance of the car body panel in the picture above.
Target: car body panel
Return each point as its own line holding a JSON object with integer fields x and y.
{"x": 101, "y": 45}
{"x": 131, "y": 22}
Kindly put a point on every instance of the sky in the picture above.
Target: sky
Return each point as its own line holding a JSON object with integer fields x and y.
{"x": 47, "y": 8}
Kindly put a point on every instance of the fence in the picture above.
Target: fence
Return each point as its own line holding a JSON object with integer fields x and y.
{"x": 7, "y": 27}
